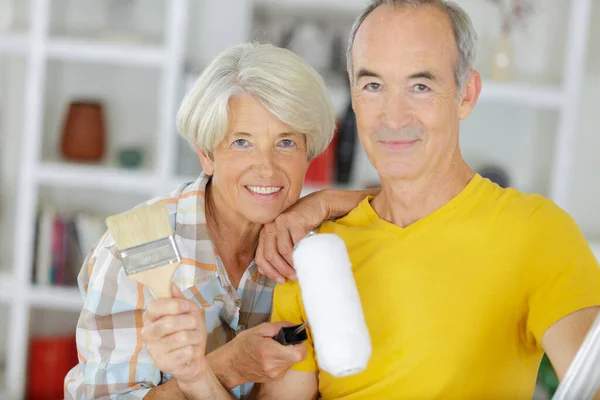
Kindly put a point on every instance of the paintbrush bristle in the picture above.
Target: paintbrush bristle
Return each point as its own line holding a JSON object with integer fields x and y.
{"x": 141, "y": 225}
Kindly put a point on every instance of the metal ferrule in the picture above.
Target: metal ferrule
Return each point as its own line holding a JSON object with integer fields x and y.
{"x": 150, "y": 255}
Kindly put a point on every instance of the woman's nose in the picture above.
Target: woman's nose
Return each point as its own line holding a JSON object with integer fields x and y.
{"x": 265, "y": 164}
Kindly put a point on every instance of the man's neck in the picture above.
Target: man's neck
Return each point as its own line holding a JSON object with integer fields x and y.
{"x": 403, "y": 202}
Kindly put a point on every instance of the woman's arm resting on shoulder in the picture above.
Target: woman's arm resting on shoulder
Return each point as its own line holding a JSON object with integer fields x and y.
{"x": 277, "y": 239}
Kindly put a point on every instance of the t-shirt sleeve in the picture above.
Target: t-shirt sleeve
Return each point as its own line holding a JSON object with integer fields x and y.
{"x": 564, "y": 275}
{"x": 287, "y": 307}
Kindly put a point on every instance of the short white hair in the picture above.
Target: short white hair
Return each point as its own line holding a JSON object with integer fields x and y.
{"x": 279, "y": 79}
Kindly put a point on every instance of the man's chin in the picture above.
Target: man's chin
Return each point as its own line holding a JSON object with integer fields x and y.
{"x": 398, "y": 171}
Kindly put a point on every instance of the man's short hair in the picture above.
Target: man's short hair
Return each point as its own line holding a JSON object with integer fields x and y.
{"x": 464, "y": 33}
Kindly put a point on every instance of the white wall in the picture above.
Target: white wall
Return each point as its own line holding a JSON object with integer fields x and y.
{"x": 584, "y": 201}
{"x": 11, "y": 98}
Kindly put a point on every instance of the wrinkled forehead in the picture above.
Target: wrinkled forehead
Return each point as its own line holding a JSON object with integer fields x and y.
{"x": 398, "y": 37}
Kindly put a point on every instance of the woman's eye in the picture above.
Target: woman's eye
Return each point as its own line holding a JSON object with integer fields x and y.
{"x": 241, "y": 143}
{"x": 287, "y": 143}
{"x": 372, "y": 87}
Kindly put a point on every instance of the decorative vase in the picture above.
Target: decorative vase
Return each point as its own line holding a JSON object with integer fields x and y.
{"x": 502, "y": 58}
{"x": 83, "y": 133}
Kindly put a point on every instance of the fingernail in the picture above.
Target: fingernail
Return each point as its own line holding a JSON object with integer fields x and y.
{"x": 281, "y": 281}
{"x": 294, "y": 277}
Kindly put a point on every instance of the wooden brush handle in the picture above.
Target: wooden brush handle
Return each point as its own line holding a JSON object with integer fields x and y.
{"x": 158, "y": 280}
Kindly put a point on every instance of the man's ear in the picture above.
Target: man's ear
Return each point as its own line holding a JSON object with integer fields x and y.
{"x": 208, "y": 165}
{"x": 469, "y": 95}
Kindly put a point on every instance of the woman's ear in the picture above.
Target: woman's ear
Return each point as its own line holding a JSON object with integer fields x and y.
{"x": 208, "y": 164}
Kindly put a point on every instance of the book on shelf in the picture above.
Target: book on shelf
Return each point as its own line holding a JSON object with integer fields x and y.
{"x": 61, "y": 244}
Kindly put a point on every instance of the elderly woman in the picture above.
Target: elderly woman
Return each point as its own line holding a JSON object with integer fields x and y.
{"x": 256, "y": 116}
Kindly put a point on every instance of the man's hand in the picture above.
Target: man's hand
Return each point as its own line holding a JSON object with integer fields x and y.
{"x": 175, "y": 335}
{"x": 253, "y": 356}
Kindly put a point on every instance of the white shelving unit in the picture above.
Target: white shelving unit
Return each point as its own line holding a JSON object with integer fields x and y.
{"x": 38, "y": 46}
{"x": 96, "y": 177}
{"x": 86, "y": 50}
{"x": 523, "y": 94}
{"x": 13, "y": 44}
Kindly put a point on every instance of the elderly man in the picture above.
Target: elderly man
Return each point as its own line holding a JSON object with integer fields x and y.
{"x": 464, "y": 284}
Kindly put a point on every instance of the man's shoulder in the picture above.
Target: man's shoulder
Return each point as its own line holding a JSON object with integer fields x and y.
{"x": 527, "y": 213}
{"x": 516, "y": 205}
{"x": 360, "y": 216}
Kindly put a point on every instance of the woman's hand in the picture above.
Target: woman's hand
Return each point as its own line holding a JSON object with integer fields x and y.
{"x": 175, "y": 335}
{"x": 277, "y": 239}
{"x": 254, "y": 356}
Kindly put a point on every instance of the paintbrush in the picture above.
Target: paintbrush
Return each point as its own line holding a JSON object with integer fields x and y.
{"x": 144, "y": 238}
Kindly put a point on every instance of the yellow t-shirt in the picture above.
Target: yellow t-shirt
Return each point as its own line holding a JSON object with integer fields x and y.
{"x": 457, "y": 303}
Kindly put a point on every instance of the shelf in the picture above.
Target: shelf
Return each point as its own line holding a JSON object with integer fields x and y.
{"x": 3, "y": 388}
{"x": 6, "y": 287}
{"x": 522, "y": 94}
{"x": 106, "y": 52}
{"x": 13, "y": 44}
{"x": 55, "y": 297}
{"x": 96, "y": 177}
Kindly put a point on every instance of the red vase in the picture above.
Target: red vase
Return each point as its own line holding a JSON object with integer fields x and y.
{"x": 83, "y": 137}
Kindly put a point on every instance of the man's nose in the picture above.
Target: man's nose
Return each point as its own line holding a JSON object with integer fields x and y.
{"x": 397, "y": 113}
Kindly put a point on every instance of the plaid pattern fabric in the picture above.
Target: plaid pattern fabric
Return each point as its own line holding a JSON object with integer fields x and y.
{"x": 113, "y": 362}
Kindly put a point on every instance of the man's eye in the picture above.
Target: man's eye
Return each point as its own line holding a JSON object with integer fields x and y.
{"x": 420, "y": 88}
{"x": 372, "y": 87}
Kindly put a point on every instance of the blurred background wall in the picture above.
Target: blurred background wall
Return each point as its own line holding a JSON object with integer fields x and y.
{"x": 128, "y": 63}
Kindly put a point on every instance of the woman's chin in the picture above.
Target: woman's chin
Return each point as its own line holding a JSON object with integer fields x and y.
{"x": 262, "y": 216}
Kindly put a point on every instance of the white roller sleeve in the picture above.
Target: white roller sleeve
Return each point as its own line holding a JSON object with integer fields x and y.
{"x": 332, "y": 304}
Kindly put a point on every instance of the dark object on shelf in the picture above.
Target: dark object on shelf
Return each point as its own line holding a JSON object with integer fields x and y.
{"x": 320, "y": 170}
{"x": 496, "y": 175}
{"x": 131, "y": 157}
{"x": 83, "y": 132}
{"x": 345, "y": 147}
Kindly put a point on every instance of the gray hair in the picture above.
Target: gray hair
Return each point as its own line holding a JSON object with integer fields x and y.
{"x": 280, "y": 80}
{"x": 464, "y": 33}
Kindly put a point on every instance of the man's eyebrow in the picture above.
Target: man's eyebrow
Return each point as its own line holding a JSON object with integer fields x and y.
{"x": 363, "y": 72}
{"x": 424, "y": 75}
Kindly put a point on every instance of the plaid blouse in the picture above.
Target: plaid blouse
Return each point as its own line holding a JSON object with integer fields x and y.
{"x": 113, "y": 361}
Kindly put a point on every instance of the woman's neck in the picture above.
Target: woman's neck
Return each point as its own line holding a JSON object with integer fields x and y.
{"x": 235, "y": 238}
